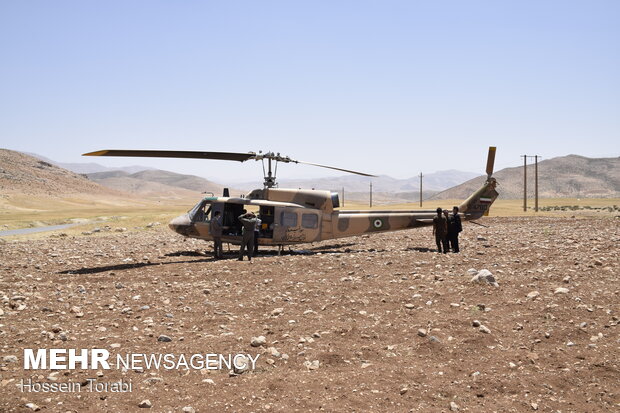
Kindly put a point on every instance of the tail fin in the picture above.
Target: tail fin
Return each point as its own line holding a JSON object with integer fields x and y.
{"x": 479, "y": 203}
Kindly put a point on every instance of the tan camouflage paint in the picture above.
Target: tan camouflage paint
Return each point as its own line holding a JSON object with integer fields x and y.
{"x": 331, "y": 223}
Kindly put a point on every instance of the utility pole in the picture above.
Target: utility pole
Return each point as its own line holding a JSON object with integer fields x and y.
{"x": 524, "y": 182}
{"x": 536, "y": 183}
{"x": 421, "y": 189}
{"x": 371, "y": 194}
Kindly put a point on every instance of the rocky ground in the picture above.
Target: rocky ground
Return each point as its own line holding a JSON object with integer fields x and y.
{"x": 378, "y": 323}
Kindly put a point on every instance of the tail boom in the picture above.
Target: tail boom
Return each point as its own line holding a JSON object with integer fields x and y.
{"x": 479, "y": 203}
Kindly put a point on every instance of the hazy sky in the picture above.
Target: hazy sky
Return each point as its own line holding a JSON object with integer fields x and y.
{"x": 385, "y": 87}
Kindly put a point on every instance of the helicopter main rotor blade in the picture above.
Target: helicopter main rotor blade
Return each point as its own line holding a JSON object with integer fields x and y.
{"x": 227, "y": 156}
{"x": 337, "y": 169}
{"x": 490, "y": 161}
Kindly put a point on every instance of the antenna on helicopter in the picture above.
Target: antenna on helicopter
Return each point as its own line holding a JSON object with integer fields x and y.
{"x": 269, "y": 177}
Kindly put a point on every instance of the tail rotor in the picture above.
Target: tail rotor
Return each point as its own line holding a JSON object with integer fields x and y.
{"x": 478, "y": 203}
{"x": 490, "y": 161}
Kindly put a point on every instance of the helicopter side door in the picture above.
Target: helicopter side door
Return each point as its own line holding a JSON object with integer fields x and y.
{"x": 267, "y": 217}
{"x": 296, "y": 225}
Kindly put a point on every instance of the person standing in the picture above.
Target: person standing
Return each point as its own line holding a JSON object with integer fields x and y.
{"x": 440, "y": 230}
{"x": 446, "y": 214}
{"x": 259, "y": 222}
{"x": 216, "y": 233}
{"x": 248, "y": 221}
{"x": 455, "y": 229}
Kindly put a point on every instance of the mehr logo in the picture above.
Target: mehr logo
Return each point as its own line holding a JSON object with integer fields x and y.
{"x": 63, "y": 359}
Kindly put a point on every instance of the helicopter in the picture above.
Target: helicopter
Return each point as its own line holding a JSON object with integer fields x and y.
{"x": 295, "y": 216}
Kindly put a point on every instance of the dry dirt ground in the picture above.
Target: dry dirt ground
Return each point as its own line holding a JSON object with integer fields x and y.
{"x": 342, "y": 322}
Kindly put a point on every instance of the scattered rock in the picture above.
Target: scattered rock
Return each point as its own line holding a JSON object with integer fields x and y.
{"x": 422, "y": 332}
{"x": 454, "y": 407}
{"x": 561, "y": 290}
{"x": 312, "y": 365}
{"x": 33, "y": 407}
{"x": 484, "y": 329}
{"x": 274, "y": 352}
{"x": 10, "y": 359}
{"x": 145, "y": 404}
{"x": 258, "y": 341}
{"x": 485, "y": 276}
{"x": 533, "y": 295}
{"x": 241, "y": 365}
{"x": 164, "y": 339}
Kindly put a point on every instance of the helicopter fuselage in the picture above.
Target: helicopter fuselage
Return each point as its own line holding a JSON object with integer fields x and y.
{"x": 292, "y": 216}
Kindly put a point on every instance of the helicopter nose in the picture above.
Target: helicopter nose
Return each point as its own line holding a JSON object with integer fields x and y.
{"x": 180, "y": 224}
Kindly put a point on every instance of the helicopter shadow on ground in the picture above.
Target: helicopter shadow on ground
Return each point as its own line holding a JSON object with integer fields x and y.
{"x": 121, "y": 267}
{"x": 341, "y": 248}
{"x": 333, "y": 246}
{"x": 419, "y": 249}
{"x": 187, "y": 254}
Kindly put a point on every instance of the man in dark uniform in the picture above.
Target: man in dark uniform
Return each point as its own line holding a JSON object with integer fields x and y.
{"x": 455, "y": 228}
{"x": 249, "y": 222}
{"x": 259, "y": 222}
{"x": 216, "y": 233}
{"x": 446, "y": 215}
{"x": 440, "y": 231}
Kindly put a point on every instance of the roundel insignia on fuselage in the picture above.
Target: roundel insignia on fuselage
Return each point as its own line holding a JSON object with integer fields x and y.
{"x": 377, "y": 223}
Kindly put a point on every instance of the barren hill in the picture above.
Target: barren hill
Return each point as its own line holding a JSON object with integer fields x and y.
{"x": 571, "y": 176}
{"x": 153, "y": 182}
{"x": 122, "y": 181}
{"x": 26, "y": 175}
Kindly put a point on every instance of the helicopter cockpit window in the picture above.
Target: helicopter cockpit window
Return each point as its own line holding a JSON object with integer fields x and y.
{"x": 309, "y": 220}
{"x": 289, "y": 219}
{"x": 198, "y": 213}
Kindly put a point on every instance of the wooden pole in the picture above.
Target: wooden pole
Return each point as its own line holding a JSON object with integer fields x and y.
{"x": 524, "y": 183}
{"x": 536, "y": 183}
{"x": 421, "y": 189}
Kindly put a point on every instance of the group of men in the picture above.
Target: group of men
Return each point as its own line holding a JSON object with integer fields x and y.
{"x": 446, "y": 229}
{"x": 250, "y": 227}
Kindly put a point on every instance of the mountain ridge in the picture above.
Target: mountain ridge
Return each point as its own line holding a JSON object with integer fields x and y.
{"x": 570, "y": 176}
